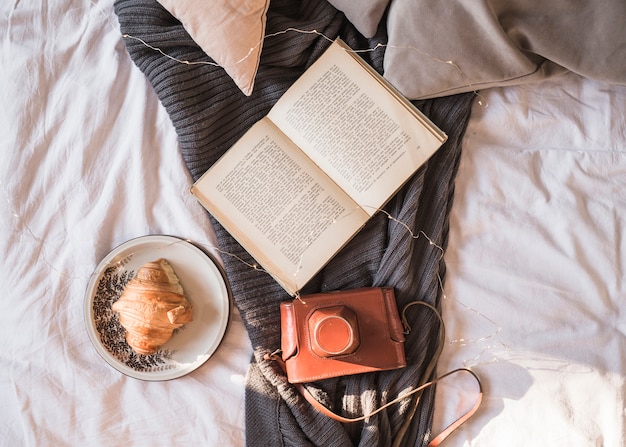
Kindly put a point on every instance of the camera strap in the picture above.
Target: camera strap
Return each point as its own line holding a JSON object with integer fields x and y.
{"x": 437, "y": 440}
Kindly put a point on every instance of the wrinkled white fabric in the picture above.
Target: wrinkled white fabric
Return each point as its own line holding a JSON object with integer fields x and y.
{"x": 536, "y": 286}
{"x": 89, "y": 159}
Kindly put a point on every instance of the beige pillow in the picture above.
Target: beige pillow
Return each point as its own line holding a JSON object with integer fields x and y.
{"x": 229, "y": 31}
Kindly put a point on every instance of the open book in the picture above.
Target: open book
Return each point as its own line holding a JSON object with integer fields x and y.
{"x": 306, "y": 178}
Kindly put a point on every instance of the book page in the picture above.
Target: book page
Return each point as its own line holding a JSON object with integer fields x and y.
{"x": 279, "y": 205}
{"x": 360, "y": 131}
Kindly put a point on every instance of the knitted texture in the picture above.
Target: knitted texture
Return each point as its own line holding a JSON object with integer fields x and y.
{"x": 210, "y": 114}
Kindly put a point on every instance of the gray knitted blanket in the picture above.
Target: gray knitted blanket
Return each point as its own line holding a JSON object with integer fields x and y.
{"x": 210, "y": 114}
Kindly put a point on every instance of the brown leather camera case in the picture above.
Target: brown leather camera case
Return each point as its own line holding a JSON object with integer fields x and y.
{"x": 341, "y": 333}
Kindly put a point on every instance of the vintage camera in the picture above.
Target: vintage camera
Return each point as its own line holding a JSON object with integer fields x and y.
{"x": 341, "y": 333}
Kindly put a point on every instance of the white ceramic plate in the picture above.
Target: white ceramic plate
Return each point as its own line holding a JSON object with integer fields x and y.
{"x": 205, "y": 287}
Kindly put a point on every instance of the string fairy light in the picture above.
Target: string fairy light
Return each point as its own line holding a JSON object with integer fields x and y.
{"x": 481, "y": 101}
{"x": 460, "y": 341}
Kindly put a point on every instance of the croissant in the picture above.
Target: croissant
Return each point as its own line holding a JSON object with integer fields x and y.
{"x": 151, "y": 306}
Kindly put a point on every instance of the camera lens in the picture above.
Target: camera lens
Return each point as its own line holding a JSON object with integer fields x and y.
{"x": 334, "y": 331}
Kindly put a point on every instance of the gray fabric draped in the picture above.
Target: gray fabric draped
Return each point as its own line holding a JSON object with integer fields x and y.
{"x": 210, "y": 114}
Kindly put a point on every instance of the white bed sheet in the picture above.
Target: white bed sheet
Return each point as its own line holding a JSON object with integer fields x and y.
{"x": 89, "y": 159}
{"x": 536, "y": 288}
